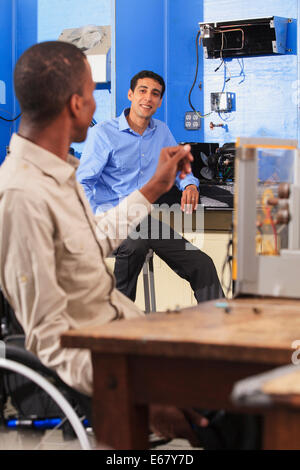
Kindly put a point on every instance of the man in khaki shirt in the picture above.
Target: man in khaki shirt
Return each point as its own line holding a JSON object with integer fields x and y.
{"x": 52, "y": 249}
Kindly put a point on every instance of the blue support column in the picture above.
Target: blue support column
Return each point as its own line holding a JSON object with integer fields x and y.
{"x": 6, "y": 92}
{"x": 160, "y": 36}
{"x": 139, "y": 44}
{"x": 18, "y": 31}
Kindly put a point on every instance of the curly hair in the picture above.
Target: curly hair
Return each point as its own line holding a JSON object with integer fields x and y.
{"x": 46, "y": 76}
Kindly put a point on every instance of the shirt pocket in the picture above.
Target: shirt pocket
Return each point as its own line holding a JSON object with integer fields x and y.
{"x": 126, "y": 155}
{"x": 77, "y": 263}
{"x": 117, "y": 163}
{"x": 73, "y": 246}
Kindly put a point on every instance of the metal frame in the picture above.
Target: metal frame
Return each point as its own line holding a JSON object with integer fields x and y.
{"x": 276, "y": 276}
{"x": 149, "y": 287}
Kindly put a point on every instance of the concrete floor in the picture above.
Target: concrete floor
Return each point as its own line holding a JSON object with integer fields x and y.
{"x": 53, "y": 440}
{"x": 30, "y": 439}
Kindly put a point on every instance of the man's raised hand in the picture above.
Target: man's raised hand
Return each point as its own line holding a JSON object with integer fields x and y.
{"x": 172, "y": 160}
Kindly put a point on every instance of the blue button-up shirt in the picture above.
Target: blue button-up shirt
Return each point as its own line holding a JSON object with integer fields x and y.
{"x": 117, "y": 160}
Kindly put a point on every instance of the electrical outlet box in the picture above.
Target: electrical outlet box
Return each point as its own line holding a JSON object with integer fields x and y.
{"x": 221, "y": 102}
{"x": 192, "y": 121}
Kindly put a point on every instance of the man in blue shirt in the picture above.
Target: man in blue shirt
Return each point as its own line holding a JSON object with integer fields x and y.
{"x": 119, "y": 157}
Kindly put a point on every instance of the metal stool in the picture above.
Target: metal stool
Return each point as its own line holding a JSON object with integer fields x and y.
{"x": 148, "y": 280}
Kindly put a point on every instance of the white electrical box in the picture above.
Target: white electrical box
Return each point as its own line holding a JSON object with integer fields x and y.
{"x": 95, "y": 42}
{"x": 221, "y": 102}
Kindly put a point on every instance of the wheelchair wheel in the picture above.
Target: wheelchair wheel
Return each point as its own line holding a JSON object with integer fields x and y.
{"x": 30, "y": 432}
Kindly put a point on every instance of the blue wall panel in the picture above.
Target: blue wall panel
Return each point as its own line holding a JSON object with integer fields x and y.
{"x": 140, "y": 44}
{"x": 182, "y": 28}
{"x": 6, "y": 94}
{"x": 18, "y": 26}
{"x": 25, "y": 26}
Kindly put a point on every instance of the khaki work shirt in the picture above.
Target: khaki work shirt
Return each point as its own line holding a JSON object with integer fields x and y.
{"x": 52, "y": 250}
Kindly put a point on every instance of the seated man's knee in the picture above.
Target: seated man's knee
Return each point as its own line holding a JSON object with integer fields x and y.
{"x": 131, "y": 247}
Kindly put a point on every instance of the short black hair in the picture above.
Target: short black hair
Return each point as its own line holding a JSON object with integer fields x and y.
{"x": 46, "y": 76}
{"x": 148, "y": 74}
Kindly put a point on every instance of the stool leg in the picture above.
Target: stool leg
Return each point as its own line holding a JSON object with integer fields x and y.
{"x": 152, "y": 285}
{"x": 146, "y": 287}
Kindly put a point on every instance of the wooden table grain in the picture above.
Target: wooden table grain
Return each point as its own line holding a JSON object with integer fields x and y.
{"x": 192, "y": 357}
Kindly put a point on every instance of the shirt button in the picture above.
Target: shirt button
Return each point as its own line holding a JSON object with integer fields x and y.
{"x": 143, "y": 154}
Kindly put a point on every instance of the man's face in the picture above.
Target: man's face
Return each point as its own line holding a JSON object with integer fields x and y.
{"x": 87, "y": 106}
{"x": 146, "y": 98}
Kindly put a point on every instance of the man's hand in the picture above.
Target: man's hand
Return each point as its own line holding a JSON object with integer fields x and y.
{"x": 170, "y": 422}
{"x": 189, "y": 199}
{"x": 172, "y": 160}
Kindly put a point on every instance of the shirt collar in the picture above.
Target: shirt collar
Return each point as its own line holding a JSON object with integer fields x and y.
{"x": 123, "y": 123}
{"x": 49, "y": 163}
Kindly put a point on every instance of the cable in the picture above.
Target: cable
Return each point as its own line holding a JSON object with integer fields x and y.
{"x": 226, "y": 68}
{"x": 242, "y": 73}
{"x": 196, "y": 74}
{"x": 10, "y": 120}
{"x": 227, "y": 261}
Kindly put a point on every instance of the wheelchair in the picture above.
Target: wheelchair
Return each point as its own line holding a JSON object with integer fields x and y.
{"x": 35, "y": 403}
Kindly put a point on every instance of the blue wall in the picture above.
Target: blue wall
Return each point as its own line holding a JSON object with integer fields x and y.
{"x": 17, "y": 32}
{"x": 26, "y": 22}
{"x": 140, "y": 44}
{"x": 163, "y": 39}
{"x": 6, "y": 102}
{"x": 181, "y": 30}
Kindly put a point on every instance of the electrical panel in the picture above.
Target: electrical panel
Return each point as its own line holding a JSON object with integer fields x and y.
{"x": 221, "y": 102}
{"x": 255, "y": 36}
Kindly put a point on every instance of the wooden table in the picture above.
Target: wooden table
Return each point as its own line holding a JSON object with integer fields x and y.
{"x": 188, "y": 358}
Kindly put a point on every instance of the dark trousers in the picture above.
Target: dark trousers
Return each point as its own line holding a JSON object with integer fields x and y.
{"x": 180, "y": 255}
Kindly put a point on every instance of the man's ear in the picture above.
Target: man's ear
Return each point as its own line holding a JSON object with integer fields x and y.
{"x": 130, "y": 94}
{"x": 75, "y": 104}
{"x": 160, "y": 103}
